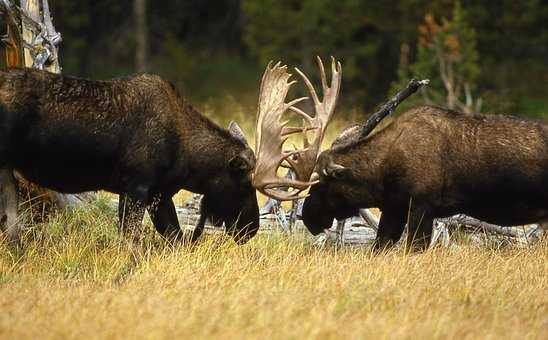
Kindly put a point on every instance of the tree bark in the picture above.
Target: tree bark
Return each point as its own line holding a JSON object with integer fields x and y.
{"x": 20, "y": 29}
{"x": 32, "y": 8}
{"x": 141, "y": 35}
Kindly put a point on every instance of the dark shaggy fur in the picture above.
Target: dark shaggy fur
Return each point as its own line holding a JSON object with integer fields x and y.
{"x": 431, "y": 162}
{"x": 132, "y": 136}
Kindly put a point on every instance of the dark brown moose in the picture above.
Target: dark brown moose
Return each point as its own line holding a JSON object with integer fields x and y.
{"x": 133, "y": 136}
{"x": 431, "y": 162}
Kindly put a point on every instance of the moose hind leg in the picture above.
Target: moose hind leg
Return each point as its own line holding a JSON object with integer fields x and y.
{"x": 130, "y": 216}
{"x": 390, "y": 229}
{"x": 164, "y": 217}
{"x": 9, "y": 204}
{"x": 419, "y": 228}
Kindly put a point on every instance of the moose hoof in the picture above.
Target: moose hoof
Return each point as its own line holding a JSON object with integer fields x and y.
{"x": 13, "y": 236}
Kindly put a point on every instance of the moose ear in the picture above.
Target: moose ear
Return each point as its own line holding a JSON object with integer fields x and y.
{"x": 236, "y": 132}
{"x": 240, "y": 162}
{"x": 347, "y": 134}
{"x": 336, "y": 171}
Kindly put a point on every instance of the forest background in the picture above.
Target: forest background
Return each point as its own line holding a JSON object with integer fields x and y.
{"x": 492, "y": 54}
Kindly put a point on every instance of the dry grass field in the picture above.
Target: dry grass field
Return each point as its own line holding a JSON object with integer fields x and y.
{"x": 76, "y": 278}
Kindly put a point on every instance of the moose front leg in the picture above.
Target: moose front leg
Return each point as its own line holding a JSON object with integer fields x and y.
{"x": 199, "y": 229}
{"x": 164, "y": 217}
{"x": 9, "y": 204}
{"x": 130, "y": 215}
{"x": 390, "y": 228}
{"x": 206, "y": 212}
{"x": 419, "y": 228}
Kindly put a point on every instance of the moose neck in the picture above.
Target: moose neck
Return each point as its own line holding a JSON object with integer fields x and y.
{"x": 206, "y": 150}
{"x": 366, "y": 158}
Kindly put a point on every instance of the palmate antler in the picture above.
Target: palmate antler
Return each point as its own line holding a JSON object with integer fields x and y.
{"x": 272, "y": 132}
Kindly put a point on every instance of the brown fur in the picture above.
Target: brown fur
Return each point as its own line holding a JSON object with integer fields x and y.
{"x": 431, "y": 162}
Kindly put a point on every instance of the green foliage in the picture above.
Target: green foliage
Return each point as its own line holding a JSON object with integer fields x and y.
{"x": 219, "y": 49}
{"x": 447, "y": 55}
{"x": 453, "y": 42}
{"x": 207, "y": 80}
{"x": 297, "y": 31}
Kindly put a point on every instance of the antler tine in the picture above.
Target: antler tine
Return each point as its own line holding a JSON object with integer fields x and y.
{"x": 295, "y": 101}
{"x": 268, "y": 68}
{"x": 322, "y": 73}
{"x": 331, "y": 94}
{"x": 336, "y": 71}
{"x": 310, "y": 86}
{"x": 305, "y": 115}
{"x": 287, "y": 183}
{"x": 289, "y": 130}
{"x": 335, "y": 65}
{"x": 284, "y": 195}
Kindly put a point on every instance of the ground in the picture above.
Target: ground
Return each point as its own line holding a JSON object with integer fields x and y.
{"x": 74, "y": 277}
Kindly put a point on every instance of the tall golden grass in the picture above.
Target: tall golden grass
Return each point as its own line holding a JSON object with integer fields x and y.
{"x": 74, "y": 277}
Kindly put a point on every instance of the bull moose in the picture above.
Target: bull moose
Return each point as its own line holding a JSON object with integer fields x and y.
{"x": 134, "y": 136}
{"x": 428, "y": 162}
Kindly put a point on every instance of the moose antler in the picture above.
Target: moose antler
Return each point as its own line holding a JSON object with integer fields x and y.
{"x": 272, "y": 133}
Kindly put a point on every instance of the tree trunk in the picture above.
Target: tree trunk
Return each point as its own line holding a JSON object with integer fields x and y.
{"x": 32, "y": 8}
{"x": 141, "y": 39}
{"x": 35, "y": 199}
